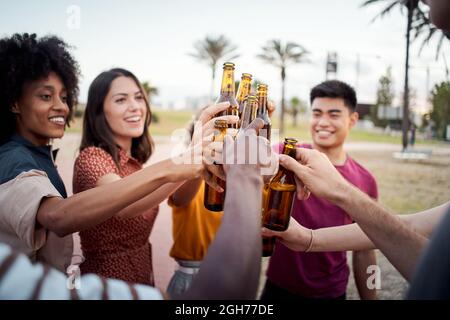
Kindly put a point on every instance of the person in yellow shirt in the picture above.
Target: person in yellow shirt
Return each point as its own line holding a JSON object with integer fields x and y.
{"x": 193, "y": 228}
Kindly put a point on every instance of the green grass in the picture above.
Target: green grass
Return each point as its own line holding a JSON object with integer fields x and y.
{"x": 301, "y": 132}
{"x": 407, "y": 186}
{"x": 169, "y": 120}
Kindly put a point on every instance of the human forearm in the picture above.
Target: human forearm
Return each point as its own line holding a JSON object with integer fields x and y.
{"x": 341, "y": 238}
{"x": 362, "y": 260}
{"x": 426, "y": 221}
{"x": 398, "y": 242}
{"x": 151, "y": 200}
{"x": 233, "y": 258}
{"x": 184, "y": 194}
{"x": 93, "y": 206}
{"x": 351, "y": 237}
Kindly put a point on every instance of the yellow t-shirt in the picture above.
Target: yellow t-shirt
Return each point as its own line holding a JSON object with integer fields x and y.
{"x": 194, "y": 228}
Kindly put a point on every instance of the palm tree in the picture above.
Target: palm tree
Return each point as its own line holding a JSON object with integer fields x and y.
{"x": 415, "y": 18}
{"x": 297, "y": 106}
{"x": 213, "y": 49}
{"x": 282, "y": 55}
{"x": 295, "y": 103}
{"x": 423, "y": 25}
{"x": 149, "y": 89}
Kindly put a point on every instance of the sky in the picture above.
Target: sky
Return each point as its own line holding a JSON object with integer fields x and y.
{"x": 153, "y": 39}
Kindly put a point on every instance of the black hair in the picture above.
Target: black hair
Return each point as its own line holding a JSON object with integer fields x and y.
{"x": 335, "y": 89}
{"x": 24, "y": 58}
{"x": 97, "y": 132}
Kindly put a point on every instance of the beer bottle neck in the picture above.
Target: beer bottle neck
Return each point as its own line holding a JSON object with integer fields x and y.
{"x": 262, "y": 103}
{"x": 244, "y": 90}
{"x": 289, "y": 149}
{"x": 284, "y": 174}
{"x": 220, "y": 135}
{"x": 227, "y": 87}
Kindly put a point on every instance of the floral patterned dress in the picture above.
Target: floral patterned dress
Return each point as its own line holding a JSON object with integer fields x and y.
{"x": 119, "y": 247}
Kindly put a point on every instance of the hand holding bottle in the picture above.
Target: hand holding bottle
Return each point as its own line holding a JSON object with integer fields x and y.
{"x": 190, "y": 164}
{"x": 315, "y": 171}
{"x": 247, "y": 149}
{"x": 296, "y": 237}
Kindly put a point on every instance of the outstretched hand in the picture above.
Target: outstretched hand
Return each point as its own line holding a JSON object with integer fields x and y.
{"x": 315, "y": 172}
{"x": 296, "y": 237}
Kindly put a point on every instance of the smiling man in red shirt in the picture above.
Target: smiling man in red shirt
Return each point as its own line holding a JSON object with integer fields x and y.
{"x": 324, "y": 275}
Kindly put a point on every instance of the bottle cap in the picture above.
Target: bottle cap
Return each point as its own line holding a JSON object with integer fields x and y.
{"x": 262, "y": 86}
{"x": 228, "y": 64}
{"x": 290, "y": 141}
{"x": 219, "y": 124}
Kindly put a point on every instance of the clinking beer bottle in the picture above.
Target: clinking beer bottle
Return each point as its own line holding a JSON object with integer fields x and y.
{"x": 243, "y": 91}
{"x": 213, "y": 199}
{"x": 227, "y": 93}
{"x": 280, "y": 194}
{"x": 249, "y": 113}
{"x": 268, "y": 243}
{"x": 263, "y": 112}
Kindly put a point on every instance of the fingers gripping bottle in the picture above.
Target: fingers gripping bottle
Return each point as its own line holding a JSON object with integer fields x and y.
{"x": 280, "y": 192}
{"x": 213, "y": 199}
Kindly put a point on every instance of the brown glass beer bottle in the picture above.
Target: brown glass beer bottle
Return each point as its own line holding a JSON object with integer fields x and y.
{"x": 213, "y": 199}
{"x": 227, "y": 93}
{"x": 263, "y": 112}
{"x": 280, "y": 194}
{"x": 243, "y": 91}
{"x": 249, "y": 113}
{"x": 268, "y": 243}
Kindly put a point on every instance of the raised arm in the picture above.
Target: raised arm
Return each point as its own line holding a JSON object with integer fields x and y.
{"x": 184, "y": 194}
{"x": 393, "y": 236}
{"x": 425, "y": 222}
{"x": 350, "y": 237}
{"x": 91, "y": 207}
{"x": 231, "y": 269}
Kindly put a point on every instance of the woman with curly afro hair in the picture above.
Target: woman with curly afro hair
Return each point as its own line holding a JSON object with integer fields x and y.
{"x": 38, "y": 91}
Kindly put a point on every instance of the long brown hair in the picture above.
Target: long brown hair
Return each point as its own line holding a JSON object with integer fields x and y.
{"x": 96, "y": 130}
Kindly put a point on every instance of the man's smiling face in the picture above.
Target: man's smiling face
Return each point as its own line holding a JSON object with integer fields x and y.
{"x": 331, "y": 121}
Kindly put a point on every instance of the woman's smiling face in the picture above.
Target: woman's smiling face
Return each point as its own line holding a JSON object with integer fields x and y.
{"x": 42, "y": 110}
{"x": 125, "y": 109}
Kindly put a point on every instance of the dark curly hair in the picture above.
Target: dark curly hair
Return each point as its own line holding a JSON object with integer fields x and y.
{"x": 23, "y": 58}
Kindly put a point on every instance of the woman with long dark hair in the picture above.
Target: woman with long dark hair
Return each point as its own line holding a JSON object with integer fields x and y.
{"x": 115, "y": 144}
{"x": 38, "y": 92}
